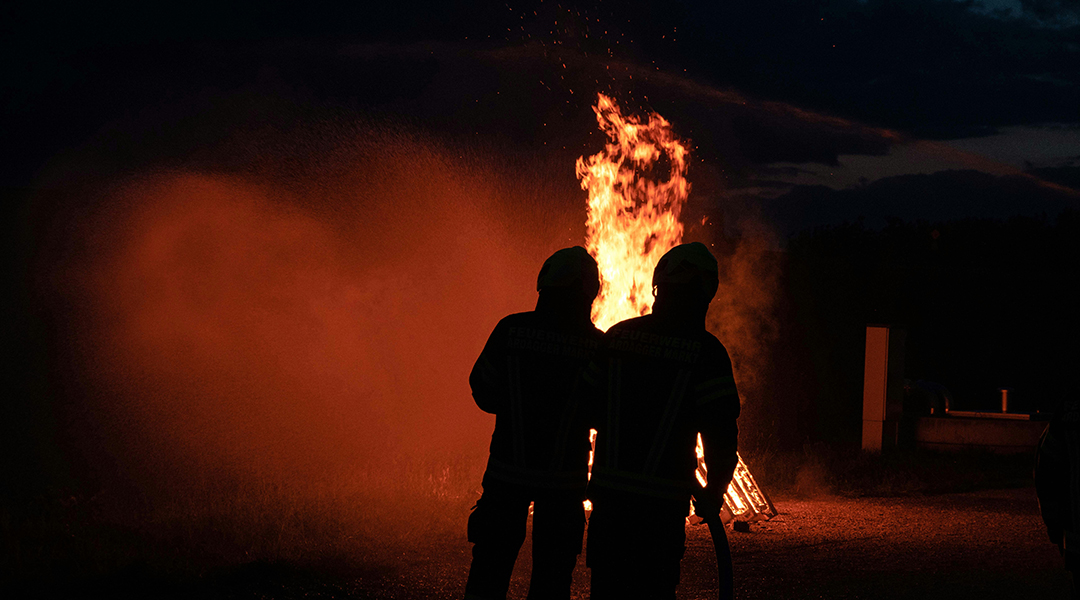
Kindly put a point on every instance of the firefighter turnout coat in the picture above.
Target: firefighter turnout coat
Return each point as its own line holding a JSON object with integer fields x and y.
{"x": 525, "y": 376}
{"x": 653, "y": 391}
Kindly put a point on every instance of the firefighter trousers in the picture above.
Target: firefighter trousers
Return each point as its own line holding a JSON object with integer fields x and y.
{"x": 497, "y": 531}
{"x": 635, "y": 546}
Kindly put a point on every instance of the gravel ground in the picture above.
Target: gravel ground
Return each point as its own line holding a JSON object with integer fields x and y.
{"x": 987, "y": 544}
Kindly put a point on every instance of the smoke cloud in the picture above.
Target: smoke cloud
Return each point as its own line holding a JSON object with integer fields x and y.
{"x": 309, "y": 337}
{"x": 743, "y": 316}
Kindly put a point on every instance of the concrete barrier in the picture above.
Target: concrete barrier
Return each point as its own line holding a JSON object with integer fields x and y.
{"x": 1002, "y": 433}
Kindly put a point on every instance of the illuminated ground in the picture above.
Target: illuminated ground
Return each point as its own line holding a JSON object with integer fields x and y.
{"x": 987, "y": 544}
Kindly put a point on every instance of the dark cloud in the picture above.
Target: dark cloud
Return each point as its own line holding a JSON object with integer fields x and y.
{"x": 183, "y": 104}
{"x": 1052, "y": 11}
{"x": 930, "y": 68}
{"x": 933, "y": 68}
{"x": 938, "y": 197}
{"x": 1065, "y": 176}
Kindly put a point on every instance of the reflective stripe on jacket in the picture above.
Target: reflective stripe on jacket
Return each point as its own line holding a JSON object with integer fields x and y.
{"x": 526, "y": 376}
{"x": 652, "y": 391}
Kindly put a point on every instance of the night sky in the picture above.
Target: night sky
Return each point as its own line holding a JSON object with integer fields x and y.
{"x": 996, "y": 79}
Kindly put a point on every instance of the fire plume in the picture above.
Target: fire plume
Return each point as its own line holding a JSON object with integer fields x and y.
{"x": 637, "y": 187}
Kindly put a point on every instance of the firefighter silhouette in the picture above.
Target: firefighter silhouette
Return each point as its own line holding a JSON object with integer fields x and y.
{"x": 540, "y": 447}
{"x": 1057, "y": 483}
{"x": 655, "y": 383}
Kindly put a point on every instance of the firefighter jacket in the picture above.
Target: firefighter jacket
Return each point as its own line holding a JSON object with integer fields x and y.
{"x": 653, "y": 391}
{"x": 1057, "y": 480}
{"x": 525, "y": 376}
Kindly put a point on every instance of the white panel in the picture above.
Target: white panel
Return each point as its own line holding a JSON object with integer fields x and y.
{"x": 875, "y": 377}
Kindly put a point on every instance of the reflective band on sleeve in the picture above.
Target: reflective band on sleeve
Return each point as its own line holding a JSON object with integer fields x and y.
{"x": 705, "y": 386}
{"x": 716, "y": 396}
{"x": 714, "y": 389}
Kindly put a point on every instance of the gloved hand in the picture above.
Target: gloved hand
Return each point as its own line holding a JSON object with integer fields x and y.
{"x": 707, "y": 503}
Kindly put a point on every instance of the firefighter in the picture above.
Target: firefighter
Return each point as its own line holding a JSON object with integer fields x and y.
{"x": 540, "y": 447}
{"x": 656, "y": 382}
{"x": 1057, "y": 473}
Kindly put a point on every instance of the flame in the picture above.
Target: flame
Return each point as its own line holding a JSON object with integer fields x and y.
{"x": 592, "y": 450}
{"x": 637, "y": 188}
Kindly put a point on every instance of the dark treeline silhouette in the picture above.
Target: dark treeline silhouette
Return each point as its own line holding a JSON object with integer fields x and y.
{"x": 986, "y": 304}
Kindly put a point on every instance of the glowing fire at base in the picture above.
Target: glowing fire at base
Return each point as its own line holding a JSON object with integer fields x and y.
{"x": 744, "y": 500}
{"x": 633, "y": 219}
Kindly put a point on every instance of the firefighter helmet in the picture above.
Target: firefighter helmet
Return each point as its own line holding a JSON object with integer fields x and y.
{"x": 570, "y": 267}
{"x": 688, "y": 264}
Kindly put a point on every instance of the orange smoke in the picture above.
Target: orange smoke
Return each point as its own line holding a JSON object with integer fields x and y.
{"x": 229, "y": 328}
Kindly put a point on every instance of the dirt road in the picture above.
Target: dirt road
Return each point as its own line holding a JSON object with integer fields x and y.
{"x": 987, "y": 544}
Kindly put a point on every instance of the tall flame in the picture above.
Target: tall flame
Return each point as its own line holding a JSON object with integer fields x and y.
{"x": 637, "y": 187}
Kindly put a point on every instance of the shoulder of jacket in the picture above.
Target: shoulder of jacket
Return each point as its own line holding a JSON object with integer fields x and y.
{"x": 517, "y": 319}
{"x": 712, "y": 347}
{"x": 712, "y": 343}
{"x": 628, "y": 325}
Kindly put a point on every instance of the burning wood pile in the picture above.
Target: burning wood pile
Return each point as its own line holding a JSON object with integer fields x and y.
{"x": 637, "y": 187}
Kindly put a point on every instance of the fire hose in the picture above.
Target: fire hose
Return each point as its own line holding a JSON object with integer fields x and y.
{"x": 706, "y": 507}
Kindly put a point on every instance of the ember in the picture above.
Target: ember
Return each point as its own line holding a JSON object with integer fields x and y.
{"x": 637, "y": 188}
